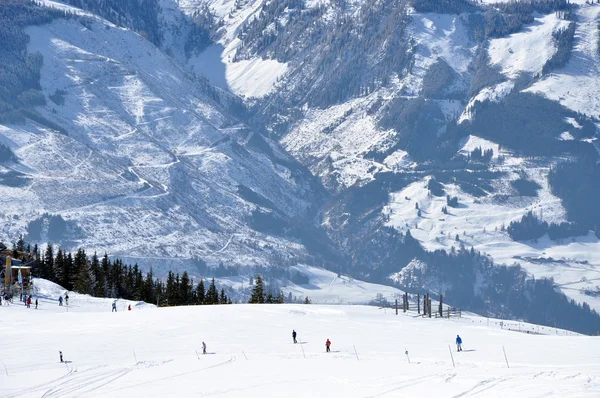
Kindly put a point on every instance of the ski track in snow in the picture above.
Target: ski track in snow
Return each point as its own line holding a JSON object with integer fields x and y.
{"x": 150, "y": 352}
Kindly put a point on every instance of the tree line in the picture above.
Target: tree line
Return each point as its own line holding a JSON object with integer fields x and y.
{"x": 103, "y": 277}
{"x": 530, "y": 227}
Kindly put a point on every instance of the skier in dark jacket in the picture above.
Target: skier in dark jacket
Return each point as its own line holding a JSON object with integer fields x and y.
{"x": 61, "y": 357}
{"x": 294, "y": 336}
{"x": 328, "y": 345}
{"x": 458, "y": 343}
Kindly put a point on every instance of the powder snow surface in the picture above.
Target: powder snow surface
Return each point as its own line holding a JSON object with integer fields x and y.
{"x": 157, "y": 353}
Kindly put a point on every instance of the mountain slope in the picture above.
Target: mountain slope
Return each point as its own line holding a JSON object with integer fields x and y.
{"x": 378, "y": 128}
{"x": 151, "y": 161}
{"x": 157, "y": 352}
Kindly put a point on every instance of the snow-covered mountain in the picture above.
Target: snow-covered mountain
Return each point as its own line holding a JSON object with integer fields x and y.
{"x": 270, "y": 132}
{"x": 144, "y": 160}
{"x": 388, "y": 103}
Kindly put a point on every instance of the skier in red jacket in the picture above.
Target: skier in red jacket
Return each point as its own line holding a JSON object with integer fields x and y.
{"x": 327, "y": 345}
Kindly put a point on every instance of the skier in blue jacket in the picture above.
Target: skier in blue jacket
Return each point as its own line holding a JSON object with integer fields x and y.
{"x": 458, "y": 343}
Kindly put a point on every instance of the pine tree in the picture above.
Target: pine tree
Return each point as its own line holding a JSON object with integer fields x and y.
{"x": 212, "y": 295}
{"x": 148, "y": 289}
{"x": 98, "y": 272}
{"x": 200, "y": 293}
{"x": 58, "y": 268}
{"x": 84, "y": 280}
{"x": 115, "y": 278}
{"x": 68, "y": 269}
{"x": 185, "y": 289}
{"x": 258, "y": 291}
{"x": 138, "y": 283}
{"x": 47, "y": 272}
{"x": 223, "y": 298}
{"x": 170, "y": 289}
{"x": 21, "y": 244}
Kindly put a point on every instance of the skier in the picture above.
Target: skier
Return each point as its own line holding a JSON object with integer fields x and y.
{"x": 29, "y": 302}
{"x": 294, "y": 336}
{"x": 458, "y": 343}
{"x": 327, "y": 345}
{"x": 129, "y": 307}
{"x": 60, "y": 301}
{"x": 203, "y": 348}
{"x": 67, "y": 299}
{"x": 61, "y": 357}
{"x": 36, "y": 304}
{"x": 114, "y": 306}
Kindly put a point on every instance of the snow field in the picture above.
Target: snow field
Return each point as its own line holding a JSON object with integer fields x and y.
{"x": 513, "y": 54}
{"x": 577, "y": 85}
{"x": 152, "y": 353}
{"x": 478, "y": 222}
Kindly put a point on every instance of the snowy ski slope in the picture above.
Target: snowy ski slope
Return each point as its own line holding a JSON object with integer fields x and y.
{"x": 156, "y": 352}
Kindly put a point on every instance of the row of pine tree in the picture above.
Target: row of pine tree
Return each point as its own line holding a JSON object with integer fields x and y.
{"x": 103, "y": 277}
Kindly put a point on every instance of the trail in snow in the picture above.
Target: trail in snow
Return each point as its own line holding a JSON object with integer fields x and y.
{"x": 249, "y": 340}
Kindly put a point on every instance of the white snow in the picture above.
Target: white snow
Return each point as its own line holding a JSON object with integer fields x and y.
{"x": 157, "y": 353}
{"x": 566, "y": 136}
{"x": 48, "y": 293}
{"x": 577, "y": 85}
{"x": 327, "y": 287}
{"x": 473, "y": 142}
{"x": 253, "y": 78}
{"x": 515, "y": 54}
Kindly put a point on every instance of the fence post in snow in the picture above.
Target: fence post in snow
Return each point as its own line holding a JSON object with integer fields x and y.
{"x": 507, "y": 365}
{"x": 441, "y": 308}
{"x": 429, "y": 305}
{"x": 451, "y": 356}
{"x": 418, "y": 303}
{"x": 396, "y": 306}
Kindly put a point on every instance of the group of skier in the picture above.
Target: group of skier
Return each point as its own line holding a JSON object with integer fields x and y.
{"x": 328, "y": 342}
{"x": 66, "y": 300}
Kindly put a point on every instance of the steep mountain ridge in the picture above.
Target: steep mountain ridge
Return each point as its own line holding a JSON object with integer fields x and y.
{"x": 151, "y": 163}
